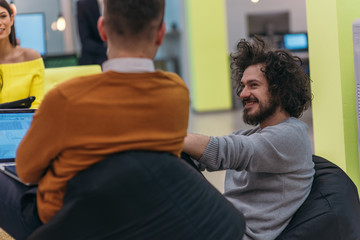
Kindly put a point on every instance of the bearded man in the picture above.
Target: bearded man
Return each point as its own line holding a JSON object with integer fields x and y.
{"x": 269, "y": 168}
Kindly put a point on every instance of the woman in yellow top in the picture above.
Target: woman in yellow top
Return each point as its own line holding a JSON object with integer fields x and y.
{"x": 21, "y": 69}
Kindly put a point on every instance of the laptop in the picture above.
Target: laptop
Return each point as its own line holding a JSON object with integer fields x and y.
{"x": 14, "y": 123}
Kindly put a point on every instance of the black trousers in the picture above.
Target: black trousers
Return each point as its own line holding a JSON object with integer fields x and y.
{"x": 18, "y": 211}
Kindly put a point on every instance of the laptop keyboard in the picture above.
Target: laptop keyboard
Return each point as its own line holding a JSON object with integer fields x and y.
{"x": 11, "y": 168}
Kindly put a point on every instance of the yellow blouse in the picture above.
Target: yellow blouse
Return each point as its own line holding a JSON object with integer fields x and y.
{"x": 22, "y": 80}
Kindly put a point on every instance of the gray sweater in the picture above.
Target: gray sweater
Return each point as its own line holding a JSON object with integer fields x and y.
{"x": 269, "y": 173}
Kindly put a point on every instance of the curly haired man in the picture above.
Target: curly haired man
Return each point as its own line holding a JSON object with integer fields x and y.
{"x": 269, "y": 168}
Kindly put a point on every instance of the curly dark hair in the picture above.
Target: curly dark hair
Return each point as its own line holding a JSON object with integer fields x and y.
{"x": 289, "y": 85}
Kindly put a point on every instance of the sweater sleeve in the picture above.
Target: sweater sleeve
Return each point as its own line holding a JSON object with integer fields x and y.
{"x": 37, "y": 150}
{"x": 37, "y": 84}
{"x": 275, "y": 149}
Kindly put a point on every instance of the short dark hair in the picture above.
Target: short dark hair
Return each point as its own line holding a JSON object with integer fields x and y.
{"x": 289, "y": 85}
{"x": 134, "y": 18}
{"x": 12, "y": 36}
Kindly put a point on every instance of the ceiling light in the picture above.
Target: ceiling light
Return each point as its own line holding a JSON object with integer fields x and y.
{"x": 13, "y": 7}
{"x": 61, "y": 23}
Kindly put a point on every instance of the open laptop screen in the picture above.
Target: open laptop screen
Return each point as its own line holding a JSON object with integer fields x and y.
{"x": 13, "y": 127}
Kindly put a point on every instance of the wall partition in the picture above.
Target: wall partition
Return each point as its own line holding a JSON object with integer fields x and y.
{"x": 333, "y": 84}
{"x": 208, "y": 57}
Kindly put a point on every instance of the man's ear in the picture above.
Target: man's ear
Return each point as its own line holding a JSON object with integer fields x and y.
{"x": 101, "y": 29}
{"x": 160, "y": 34}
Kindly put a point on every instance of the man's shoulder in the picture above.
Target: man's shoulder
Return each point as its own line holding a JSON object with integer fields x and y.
{"x": 289, "y": 123}
{"x": 294, "y": 123}
{"x": 289, "y": 131}
{"x": 173, "y": 77}
{"x": 82, "y": 80}
{"x": 77, "y": 85}
{"x": 247, "y": 132}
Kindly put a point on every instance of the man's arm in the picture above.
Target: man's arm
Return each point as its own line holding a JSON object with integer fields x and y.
{"x": 43, "y": 141}
{"x": 195, "y": 145}
{"x": 281, "y": 148}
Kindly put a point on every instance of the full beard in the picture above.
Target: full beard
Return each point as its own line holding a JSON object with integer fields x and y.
{"x": 264, "y": 112}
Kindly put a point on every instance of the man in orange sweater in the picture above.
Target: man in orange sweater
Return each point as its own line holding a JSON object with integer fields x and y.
{"x": 129, "y": 106}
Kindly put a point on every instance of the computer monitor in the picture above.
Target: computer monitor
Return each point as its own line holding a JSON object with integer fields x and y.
{"x": 296, "y": 41}
{"x": 30, "y": 31}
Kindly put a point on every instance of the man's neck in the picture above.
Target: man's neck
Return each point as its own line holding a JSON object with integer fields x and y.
{"x": 130, "y": 52}
{"x": 113, "y": 55}
{"x": 278, "y": 116}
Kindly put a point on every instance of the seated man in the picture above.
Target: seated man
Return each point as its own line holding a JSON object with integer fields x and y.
{"x": 129, "y": 106}
{"x": 269, "y": 168}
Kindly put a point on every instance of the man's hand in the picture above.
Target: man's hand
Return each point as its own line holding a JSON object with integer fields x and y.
{"x": 195, "y": 145}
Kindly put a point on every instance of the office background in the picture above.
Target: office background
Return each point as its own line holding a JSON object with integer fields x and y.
{"x": 202, "y": 33}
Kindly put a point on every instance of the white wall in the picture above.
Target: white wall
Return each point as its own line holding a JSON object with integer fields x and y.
{"x": 237, "y": 11}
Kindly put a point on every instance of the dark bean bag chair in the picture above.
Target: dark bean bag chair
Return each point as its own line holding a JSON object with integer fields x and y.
{"x": 332, "y": 209}
{"x": 142, "y": 195}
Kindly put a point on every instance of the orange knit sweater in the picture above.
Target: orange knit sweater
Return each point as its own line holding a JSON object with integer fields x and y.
{"x": 85, "y": 119}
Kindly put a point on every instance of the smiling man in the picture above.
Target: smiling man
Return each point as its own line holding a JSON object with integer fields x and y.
{"x": 269, "y": 168}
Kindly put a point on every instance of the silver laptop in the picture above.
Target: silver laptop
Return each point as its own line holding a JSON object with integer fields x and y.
{"x": 14, "y": 123}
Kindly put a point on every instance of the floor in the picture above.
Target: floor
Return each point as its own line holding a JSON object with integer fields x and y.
{"x": 4, "y": 235}
{"x": 223, "y": 123}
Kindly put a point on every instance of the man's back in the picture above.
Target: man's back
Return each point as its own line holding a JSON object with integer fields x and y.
{"x": 93, "y": 116}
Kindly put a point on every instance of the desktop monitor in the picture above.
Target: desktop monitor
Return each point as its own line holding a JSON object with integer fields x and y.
{"x": 296, "y": 41}
{"x": 30, "y": 31}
